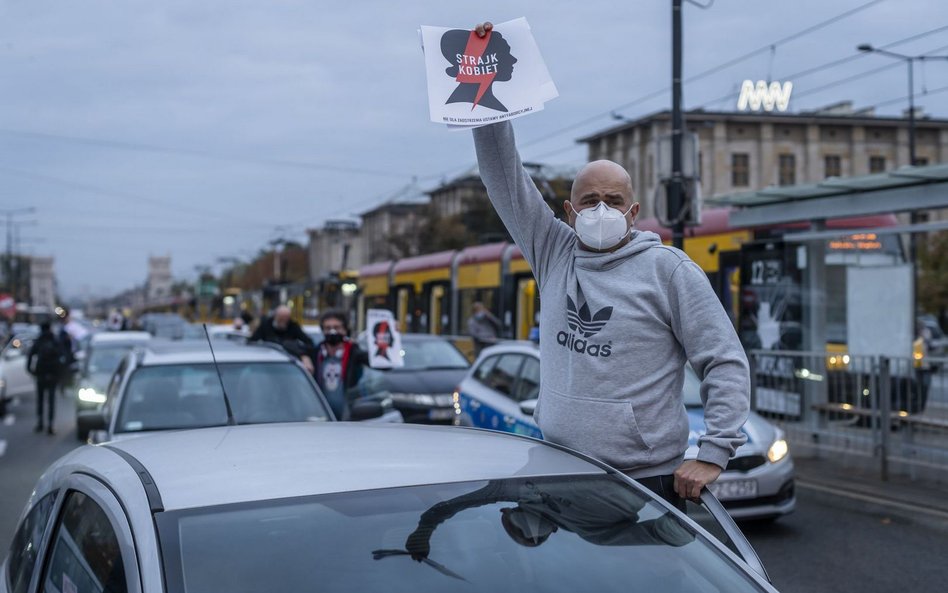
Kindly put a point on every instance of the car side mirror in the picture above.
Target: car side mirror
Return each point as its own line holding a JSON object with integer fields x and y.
{"x": 93, "y": 423}
{"x": 527, "y": 406}
{"x": 366, "y": 410}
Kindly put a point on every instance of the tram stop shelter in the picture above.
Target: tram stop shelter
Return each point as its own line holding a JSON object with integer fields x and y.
{"x": 905, "y": 190}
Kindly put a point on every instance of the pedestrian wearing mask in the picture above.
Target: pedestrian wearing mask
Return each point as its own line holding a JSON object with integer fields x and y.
{"x": 622, "y": 314}
{"x": 339, "y": 362}
{"x": 483, "y": 327}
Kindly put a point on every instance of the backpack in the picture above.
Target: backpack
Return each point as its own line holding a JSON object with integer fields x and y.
{"x": 48, "y": 356}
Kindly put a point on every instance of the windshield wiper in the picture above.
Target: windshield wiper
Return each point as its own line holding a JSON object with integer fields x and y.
{"x": 379, "y": 554}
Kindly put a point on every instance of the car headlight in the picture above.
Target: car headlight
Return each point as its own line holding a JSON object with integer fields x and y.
{"x": 778, "y": 450}
{"x": 88, "y": 394}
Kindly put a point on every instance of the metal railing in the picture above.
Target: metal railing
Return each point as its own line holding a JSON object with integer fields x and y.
{"x": 888, "y": 412}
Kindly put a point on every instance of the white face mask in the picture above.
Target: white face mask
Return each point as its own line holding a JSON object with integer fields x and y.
{"x": 601, "y": 227}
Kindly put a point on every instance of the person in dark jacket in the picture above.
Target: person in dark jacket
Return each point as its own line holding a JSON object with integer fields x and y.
{"x": 45, "y": 362}
{"x": 280, "y": 329}
{"x": 339, "y": 362}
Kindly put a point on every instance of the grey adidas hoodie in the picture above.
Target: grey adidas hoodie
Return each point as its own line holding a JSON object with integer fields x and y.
{"x": 616, "y": 331}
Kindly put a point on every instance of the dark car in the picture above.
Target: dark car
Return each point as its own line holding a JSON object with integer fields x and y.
{"x": 422, "y": 389}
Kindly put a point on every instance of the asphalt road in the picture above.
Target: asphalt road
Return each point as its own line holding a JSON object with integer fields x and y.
{"x": 24, "y": 455}
{"x": 834, "y": 544}
{"x": 830, "y": 544}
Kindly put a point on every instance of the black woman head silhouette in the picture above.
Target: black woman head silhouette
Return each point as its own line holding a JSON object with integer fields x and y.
{"x": 476, "y": 63}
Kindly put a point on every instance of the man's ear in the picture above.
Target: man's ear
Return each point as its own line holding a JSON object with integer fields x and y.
{"x": 568, "y": 207}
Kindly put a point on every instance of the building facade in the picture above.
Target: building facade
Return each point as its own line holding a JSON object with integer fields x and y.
{"x": 390, "y": 231}
{"x": 750, "y": 151}
{"x": 42, "y": 283}
{"x": 158, "y": 284}
{"x": 334, "y": 248}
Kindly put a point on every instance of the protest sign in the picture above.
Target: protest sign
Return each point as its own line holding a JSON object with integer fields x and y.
{"x": 385, "y": 342}
{"x": 475, "y": 81}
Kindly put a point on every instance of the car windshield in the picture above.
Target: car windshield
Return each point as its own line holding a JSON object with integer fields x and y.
{"x": 431, "y": 354}
{"x": 572, "y": 533}
{"x": 189, "y": 396}
{"x": 105, "y": 359}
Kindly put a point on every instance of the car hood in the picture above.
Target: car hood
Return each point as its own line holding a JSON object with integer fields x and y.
{"x": 760, "y": 433}
{"x": 429, "y": 382}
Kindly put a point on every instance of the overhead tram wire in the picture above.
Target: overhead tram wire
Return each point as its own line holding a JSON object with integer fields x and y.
{"x": 706, "y": 73}
{"x": 140, "y": 147}
{"x": 829, "y": 65}
{"x": 117, "y": 194}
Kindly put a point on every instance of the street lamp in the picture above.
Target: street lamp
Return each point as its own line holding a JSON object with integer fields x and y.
{"x": 910, "y": 60}
{"x": 913, "y": 214}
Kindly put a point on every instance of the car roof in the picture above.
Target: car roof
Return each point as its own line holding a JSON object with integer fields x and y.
{"x": 119, "y": 337}
{"x": 270, "y": 461}
{"x": 162, "y": 352}
{"x": 519, "y": 346}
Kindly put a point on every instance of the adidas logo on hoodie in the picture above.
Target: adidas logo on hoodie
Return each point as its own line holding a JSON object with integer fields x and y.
{"x": 581, "y": 321}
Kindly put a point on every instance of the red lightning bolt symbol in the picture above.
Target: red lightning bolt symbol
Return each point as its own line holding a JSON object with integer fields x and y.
{"x": 475, "y": 49}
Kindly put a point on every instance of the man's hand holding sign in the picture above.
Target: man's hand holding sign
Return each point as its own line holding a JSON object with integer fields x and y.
{"x": 656, "y": 309}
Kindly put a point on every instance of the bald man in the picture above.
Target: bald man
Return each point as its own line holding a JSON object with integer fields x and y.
{"x": 622, "y": 314}
{"x": 281, "y": 329}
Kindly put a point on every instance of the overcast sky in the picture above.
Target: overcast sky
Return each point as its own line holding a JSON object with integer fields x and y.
{"x": 204, "y": 129}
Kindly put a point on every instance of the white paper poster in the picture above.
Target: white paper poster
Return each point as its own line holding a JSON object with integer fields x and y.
{"x": 385, "y": 343}
{"x": 475, "y": 81}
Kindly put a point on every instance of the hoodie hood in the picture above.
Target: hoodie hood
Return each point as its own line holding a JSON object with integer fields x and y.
{"x": 639, "y": 241}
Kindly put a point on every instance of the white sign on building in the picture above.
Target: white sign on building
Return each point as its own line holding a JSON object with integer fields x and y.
{"x": 764, "y": 97}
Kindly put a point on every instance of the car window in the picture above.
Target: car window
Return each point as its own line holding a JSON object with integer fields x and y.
{"x": 529, "y": 385}
{"x": 105, "y": 359}
{"x": 26, "y": 542}
{"x": 483, "y": 370}
{"x": 431, "y": 354}
{"x": 116, "y": 380}
{"x": 189, "y": 396}
{"x": 86, "y": 556}
{"x": 555, "y": 534}
{"x": 504, "y": 374}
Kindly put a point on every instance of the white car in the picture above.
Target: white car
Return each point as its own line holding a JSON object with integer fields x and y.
{"x": 15, "y": 381}
{"x": 342, "y": 507}
{"x": 176, "y": 385}
{"x": 500, "y": 393}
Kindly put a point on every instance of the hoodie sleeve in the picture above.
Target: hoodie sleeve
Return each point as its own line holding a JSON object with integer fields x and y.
{"x": 711, "y": 345}
{"x": 536, "y": 231}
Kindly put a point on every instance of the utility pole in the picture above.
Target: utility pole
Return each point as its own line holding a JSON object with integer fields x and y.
{"x": 914, "y": 215}
{"x": 10, "y": 279}
{"x": 675, "y": 189}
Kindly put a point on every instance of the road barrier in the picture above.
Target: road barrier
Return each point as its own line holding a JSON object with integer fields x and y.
{"x": 884, "y": 411}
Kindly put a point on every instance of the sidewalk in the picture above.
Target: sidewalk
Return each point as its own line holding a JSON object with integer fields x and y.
{"x": 920, "y": 498}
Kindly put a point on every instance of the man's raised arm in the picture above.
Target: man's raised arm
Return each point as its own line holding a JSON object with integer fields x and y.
{"x": 534, "y": 228}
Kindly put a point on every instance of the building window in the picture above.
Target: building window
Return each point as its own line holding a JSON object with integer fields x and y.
{"x": 788, "y": 169}
{"x": 831, "y": 164}
{"x": 700, "y": 165}
{"x": 740, "y": 169}
{"x": 876, "y": 164}
{"x": 921, "y": 161}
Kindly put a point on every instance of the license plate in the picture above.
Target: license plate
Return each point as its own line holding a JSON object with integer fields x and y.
{"x": 734, "y": 490}
{"x": 441, "y": 414}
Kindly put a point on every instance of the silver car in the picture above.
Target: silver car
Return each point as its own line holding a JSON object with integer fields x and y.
{"x": 500, "y": 393}
{"x": 357, "y": 507}
{"x": 177, "y": 385}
